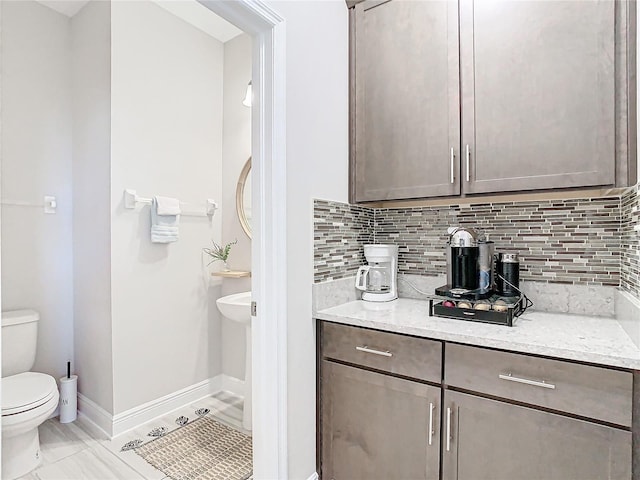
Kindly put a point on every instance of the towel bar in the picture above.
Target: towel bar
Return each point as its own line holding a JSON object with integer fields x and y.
{"x": 49, "y": 204}
{"x": 131, "y": 199}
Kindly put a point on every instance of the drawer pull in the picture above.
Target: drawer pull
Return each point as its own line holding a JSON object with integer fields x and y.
{"x": 366, "y": 349}
{"x": 430, "y": 423}
{"x": 535, "y": 383}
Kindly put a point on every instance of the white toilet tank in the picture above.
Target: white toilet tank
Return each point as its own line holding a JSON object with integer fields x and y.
{"x": 19, "y": 340}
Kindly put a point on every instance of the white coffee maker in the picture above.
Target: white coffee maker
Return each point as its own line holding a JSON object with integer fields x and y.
{"x": 379, "y": 279}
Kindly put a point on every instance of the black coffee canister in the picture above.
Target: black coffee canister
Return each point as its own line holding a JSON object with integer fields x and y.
{"x": 508, "y": 274}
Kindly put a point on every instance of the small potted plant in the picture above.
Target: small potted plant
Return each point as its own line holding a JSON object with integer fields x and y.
{"x": 218, "y": 252}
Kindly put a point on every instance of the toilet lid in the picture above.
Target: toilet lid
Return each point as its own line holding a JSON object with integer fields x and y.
{"x": 25, "y": 391}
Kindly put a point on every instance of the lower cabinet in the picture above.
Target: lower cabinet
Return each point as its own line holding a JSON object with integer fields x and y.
{"x": 375, "y": 426}
{"x": 492, "y": 440}
{"x": 376, "y": 423}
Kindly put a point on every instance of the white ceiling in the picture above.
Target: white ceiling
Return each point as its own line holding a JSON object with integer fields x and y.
{"x": 65, "y": 7}
{"x": 200, "y": 17}
{"x": 190, "y": 11}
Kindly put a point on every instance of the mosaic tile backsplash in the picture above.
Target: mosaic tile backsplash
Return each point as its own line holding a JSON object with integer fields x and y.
{"x": 570, "y": 241}
{"x": 578, "y": 241}
{"x": 630, "y": 243}
{"x": 340, "y": 230}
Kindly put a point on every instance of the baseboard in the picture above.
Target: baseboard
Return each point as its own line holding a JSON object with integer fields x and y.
{"x": 95, "y": 414}
{"x": 114, "y": 425}
{"x": 132, "y": 418}
{"x": 92, "y": 425}
{"x": 232, "y": 385}
{"x": 314, "y": 476}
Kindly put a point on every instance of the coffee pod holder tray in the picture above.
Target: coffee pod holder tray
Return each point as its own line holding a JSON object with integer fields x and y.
{"x": 501, "y": 311}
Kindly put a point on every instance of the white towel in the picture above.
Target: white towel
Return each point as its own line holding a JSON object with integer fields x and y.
{"x": 168, "y": 206}
{"x": 164, "y": 226}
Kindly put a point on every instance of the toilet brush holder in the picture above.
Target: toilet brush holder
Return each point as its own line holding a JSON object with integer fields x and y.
{"x": 68, "y": 399}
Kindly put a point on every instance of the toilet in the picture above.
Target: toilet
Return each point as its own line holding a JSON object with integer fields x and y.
{"x": 28, "y": 398}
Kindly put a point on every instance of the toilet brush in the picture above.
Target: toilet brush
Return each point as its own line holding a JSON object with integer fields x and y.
{"x": 68, "y": 397}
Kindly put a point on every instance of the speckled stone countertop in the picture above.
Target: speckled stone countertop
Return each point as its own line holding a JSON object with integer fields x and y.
{"x": 595, "y": 340}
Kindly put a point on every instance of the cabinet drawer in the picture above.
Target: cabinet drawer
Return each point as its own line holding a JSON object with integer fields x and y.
{"x": 592, "y": 392}
{"x": 389, "y": 352}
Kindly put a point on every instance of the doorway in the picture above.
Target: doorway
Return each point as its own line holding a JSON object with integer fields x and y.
{"x": 268, "y": 246}
{"x": 268, "y": 250}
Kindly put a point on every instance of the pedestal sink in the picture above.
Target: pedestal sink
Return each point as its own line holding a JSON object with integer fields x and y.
{"x": 237, "y": 307}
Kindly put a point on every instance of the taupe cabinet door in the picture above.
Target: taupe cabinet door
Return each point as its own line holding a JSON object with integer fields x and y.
{"x": 492, "y": 440}
{"x": 375, "y": 426}
{"x": 405, "y": 95}
{"x": 537, "y": 82}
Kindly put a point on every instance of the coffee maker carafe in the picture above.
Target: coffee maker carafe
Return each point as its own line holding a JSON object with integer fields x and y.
{"x": 378, "y": 279}
{"x": 469, "y": 265}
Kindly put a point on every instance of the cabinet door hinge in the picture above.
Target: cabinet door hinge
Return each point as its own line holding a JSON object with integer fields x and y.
{"x": 254, "y": 309}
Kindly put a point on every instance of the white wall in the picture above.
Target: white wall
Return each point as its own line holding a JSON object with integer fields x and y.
{"x": 91, "y": 51}
{"x": 166, "y": 140}
{"x": 36, "y": 161}
{"x": 235, "y": 152}
{"x": 317, "y": 166}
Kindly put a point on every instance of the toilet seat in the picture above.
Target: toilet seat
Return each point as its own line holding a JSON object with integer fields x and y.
{"x": 26, "y": 391}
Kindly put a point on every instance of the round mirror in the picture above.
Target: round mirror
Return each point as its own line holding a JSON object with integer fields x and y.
{"x": 243, "y": 198}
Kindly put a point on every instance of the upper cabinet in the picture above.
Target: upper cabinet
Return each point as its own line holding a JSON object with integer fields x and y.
{"x": 495, "y": 96}
{"x": 538, "y": 89}
{"x": 405, "y": 100}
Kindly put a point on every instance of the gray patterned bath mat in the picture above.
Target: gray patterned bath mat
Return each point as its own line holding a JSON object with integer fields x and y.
{"x": 204, "y": 449}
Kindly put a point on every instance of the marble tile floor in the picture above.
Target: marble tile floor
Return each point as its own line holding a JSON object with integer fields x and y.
{"x": 80, "y": 451}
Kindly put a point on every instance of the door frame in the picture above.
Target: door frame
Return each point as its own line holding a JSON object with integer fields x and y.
{"x": 269, "y": 222}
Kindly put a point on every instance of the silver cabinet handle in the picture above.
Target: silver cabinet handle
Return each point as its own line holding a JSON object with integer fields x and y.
{"x": 448, "y": 429}
{"x": 535, "y": 383}
{"x": 430, "y": 423}
{"x": 366, "y": 349}
{"x": 468, "y": 154}
{"x": 452, "y": 161}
